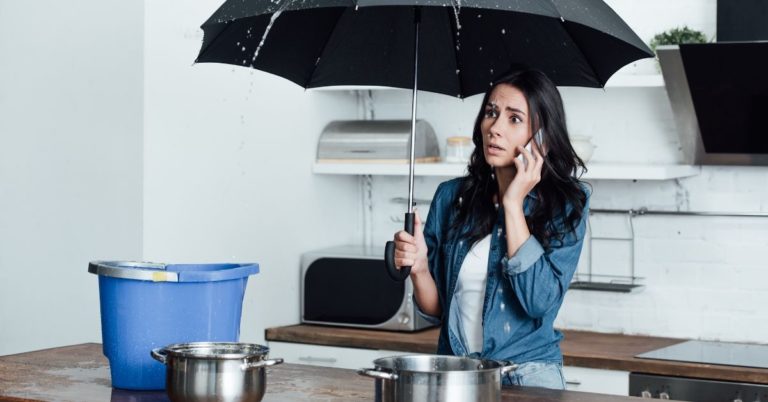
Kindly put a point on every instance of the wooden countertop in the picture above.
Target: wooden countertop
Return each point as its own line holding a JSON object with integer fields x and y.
{"x": 80, "y": 373}
{"x": 580, "y": 348}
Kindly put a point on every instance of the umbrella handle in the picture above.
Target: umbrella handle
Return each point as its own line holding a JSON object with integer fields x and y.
{"x": 389, "y": 253}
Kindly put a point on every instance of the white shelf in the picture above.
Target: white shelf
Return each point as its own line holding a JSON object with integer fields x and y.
{"x": 617, "y": 171}
{"x": 596, "y": 171}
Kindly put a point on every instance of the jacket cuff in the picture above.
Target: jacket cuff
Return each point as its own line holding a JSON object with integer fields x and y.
{"x": 524, "y": 258}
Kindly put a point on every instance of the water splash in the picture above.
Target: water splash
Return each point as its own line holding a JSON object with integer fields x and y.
{"x": 266, "y": 31}
{"x": 456, "y": 11}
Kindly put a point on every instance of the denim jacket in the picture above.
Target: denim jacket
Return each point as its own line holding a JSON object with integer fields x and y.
{"x": 523, "y": 293}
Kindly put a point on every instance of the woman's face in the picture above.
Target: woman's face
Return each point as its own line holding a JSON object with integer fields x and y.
{"x": 505, "y": 126}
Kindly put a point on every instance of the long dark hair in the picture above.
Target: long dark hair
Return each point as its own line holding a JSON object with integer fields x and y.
{"x": 559, "y": 186}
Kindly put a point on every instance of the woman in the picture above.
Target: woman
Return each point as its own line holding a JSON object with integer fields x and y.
{"x": 500, "y": 245}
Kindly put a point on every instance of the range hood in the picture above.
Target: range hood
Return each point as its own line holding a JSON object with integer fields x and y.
{"x": 719, "y": 97}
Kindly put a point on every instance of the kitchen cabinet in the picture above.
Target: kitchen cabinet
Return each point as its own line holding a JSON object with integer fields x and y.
{"x": 584, "y": 379}
{"x": 327, "y": 356}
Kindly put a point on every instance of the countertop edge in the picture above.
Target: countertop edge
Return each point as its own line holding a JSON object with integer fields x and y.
{"x": 421, "y": 342}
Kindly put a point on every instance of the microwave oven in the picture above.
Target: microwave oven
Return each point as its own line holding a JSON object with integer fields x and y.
{"x": 349, "y": 286}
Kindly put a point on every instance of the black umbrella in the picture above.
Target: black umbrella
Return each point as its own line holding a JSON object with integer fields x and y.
{"x": 456, "y": 49}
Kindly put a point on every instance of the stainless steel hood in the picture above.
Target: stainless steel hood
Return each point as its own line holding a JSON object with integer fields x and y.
{"x": 719, "y": 97}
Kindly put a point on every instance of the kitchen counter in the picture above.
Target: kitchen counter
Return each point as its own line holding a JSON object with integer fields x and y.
{"x": 81, "y": 373}
{"x": 580, "y": 348}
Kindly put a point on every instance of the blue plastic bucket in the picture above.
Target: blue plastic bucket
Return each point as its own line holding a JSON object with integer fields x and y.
{"x": 147, "y": 305}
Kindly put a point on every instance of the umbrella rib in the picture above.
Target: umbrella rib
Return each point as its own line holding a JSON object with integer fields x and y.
{"x": 215, "y": 40}
{"x": 449, "y": 13}
{"x": 325, "y": 46}
{"x": 583, "y": 56}
{"x": 581, "y": 52}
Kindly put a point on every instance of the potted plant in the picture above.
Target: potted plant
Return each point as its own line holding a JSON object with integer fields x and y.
{"x": 676, "y": 36}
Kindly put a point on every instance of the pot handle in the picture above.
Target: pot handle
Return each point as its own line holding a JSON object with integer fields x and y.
{"x": 377, "y": 374}
{"x": 260, "y": 363}
{"x": 507, "y": 366}
{"x": 159, "y": 354}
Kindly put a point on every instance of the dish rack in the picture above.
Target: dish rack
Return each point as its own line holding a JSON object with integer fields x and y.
{"x": 610, "y": 283}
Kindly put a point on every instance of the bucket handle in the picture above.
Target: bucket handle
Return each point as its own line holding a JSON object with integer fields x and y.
{"x": 260, "y": 364}
{"x": 159, "y": 354}
{"x": 377, "y": 374}
{"x": 507, "y": 366}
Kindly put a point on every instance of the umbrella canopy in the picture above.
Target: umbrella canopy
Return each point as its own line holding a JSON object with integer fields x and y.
{"x": 458, "y": 49}
{"x": 463, "y": 45}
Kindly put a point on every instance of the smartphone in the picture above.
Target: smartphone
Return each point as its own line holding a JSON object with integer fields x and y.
{"x": 539, "y": 138}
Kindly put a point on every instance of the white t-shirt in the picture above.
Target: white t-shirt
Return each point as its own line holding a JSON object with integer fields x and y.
{"x": 470, "y": 292}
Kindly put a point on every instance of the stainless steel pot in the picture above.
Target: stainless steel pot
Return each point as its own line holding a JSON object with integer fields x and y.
{"x": 429, "y": 378}
{"x": 215, "y": 371}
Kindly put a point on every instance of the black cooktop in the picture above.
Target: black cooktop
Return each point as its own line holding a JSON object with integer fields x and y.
{"x": 723, "y": 353}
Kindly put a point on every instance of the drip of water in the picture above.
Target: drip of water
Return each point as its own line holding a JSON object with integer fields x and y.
{"x": 456, "y": 11}
{"x": 266, "y": 31}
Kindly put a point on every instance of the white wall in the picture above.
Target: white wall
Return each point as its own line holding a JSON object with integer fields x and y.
{"x": 223, "y": 173}
{"x": 228, "y": 157}
{"x": 705, "y": 277}
{"x": 70, "y": 162}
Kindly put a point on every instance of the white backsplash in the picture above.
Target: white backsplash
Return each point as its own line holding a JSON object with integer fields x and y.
{"x": 704, "y": 276}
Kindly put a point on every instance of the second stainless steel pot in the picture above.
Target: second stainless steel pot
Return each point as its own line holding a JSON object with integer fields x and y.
{"x": 215, "y": 371}
{"x": 429, "y": 378}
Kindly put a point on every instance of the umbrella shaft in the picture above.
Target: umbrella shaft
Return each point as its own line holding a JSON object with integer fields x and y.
{"x": 416, "y": 21}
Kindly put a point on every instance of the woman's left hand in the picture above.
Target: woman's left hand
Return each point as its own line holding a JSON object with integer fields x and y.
{"x": 527, "y": 176}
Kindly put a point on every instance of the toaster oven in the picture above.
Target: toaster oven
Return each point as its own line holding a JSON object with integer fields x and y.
{"x": 349, "y": 286}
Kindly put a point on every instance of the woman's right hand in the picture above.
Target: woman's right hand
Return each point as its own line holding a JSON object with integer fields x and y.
{"x": 411, "y": 250}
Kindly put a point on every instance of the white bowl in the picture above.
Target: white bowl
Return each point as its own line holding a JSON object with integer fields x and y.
{"x": 583, "y": 147}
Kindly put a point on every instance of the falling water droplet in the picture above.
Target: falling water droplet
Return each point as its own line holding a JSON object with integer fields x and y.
{"x": 507, "y": 327}
{"x": 503, "y": 31}
{"x": 502, "y": 306}
{"x": 266, "y": 32}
